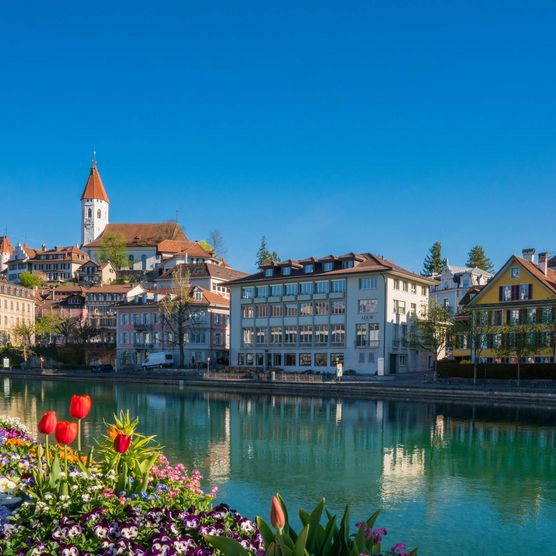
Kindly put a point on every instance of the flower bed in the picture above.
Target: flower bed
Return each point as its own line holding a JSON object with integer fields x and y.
{"x": 126, "y": 498}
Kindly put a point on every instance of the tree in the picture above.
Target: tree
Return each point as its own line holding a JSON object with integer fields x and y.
{"x": 177, "y": 309}
{"x": 206, "y": 246}
{"x": 23, "y": 338}
{"x": 47, "y": 325}
{"x": 113, "y": 249}
{"x": 31, "y": 279}
{"x": 432, "y": 331}
{"x": 264, "y": 256}
{"x": 478, "y": 259}
{"x": 433, "y": 261}
{"x": 217, "y": 242}
{"x": 67, "y": 328}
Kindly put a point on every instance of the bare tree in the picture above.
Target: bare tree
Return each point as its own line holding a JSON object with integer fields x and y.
{"x": 23, "y": 338}
{"x": 177, "y": 308}
{"x": 217, "y": 241}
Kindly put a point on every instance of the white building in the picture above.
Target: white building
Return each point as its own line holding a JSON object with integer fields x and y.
{"x": 95, "y": 207}
{"x": 6, "y": 251}
{"x": 354, "y": 309}
{"x": 453, "y": 283}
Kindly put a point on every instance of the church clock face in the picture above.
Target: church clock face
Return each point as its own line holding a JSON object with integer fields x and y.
{"x": 88, "y": 223}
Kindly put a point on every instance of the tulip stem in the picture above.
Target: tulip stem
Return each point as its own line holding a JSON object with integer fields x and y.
{"x": 47, "y": 450}
{"x": 79, "y": 435}
{"x": 66, "y": 460}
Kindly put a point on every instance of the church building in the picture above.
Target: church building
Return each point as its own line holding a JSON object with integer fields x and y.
{"x": 144, "y": 242}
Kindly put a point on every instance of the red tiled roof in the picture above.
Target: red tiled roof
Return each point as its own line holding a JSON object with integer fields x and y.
{"x": 143, "y": 235}
{"x": 192, "y": 248}
{"x": 60, "y": 253}
{"x": 6, "y": 245}
{"x": 199, "y": 270}
{"x": 110, "y": 288}
{"x": 367, "y": 262}
{"x": 94, "y": 188}
{"x": 549, "y": 279}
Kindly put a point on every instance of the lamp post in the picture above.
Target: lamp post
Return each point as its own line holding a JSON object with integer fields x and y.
{"x": 208, "y": 364}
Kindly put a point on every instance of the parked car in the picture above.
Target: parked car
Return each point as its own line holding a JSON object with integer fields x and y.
{"x": 103, "y": 368}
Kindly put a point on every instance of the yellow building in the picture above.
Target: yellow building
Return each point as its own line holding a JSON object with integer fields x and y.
{"x": 17, "y": 306}
{"x": 514, "y": 315}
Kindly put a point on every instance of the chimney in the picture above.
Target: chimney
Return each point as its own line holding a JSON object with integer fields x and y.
{"x": 44, "y": 246}
{"x": 543, "y": 262}
{"x": 529, "y": 254}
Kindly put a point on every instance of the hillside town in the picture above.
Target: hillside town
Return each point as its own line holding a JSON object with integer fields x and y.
{"x": 132, "y": 296}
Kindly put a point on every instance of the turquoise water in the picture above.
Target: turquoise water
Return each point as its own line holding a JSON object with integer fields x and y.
{"x": 451, "y": 479}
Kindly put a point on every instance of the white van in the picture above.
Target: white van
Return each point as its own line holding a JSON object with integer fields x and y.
{"x": 159, "y": 359}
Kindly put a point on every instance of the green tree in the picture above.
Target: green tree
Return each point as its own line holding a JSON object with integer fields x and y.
{"x": 433, "y": 261}
{"x": 206, "y": 246}
{"x": 432, "y": 331}
{"x": 264, "y": 256}
{"x": 47, "y": 325}
{"x": 478, "y": 259}
{"x": 31, "y": 279}
{"x": 113, "y": 249}
{"x": 23, "y": 338}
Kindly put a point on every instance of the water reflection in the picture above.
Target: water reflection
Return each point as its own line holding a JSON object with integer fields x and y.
{"x": 437, "y": 469}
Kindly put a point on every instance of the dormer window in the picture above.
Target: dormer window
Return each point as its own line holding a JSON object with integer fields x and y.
{"x": 198, "y": 296}
{"x": 286, "y": 270}
{"x": 327, "y": 267}
{"x": 347, "y": 264}
{"x": 309, "y": 268}
{"x": 268, "y": 272}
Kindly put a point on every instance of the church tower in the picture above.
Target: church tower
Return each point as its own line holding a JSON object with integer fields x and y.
{"x": 94, "y": 207}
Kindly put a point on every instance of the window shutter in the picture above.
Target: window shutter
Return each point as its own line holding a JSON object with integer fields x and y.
{"x": 530, "y": 291}
{"x": 500, "y": 293}
{"x": 515, "y": 293}
{"x": 508, "y": 316}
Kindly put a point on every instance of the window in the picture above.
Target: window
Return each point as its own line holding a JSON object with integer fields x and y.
{"x": 338, "y": 307}
{"x": 413, "y": 288}
{"x": 305, "y": 359}
{"x": 321, "y": 308}
{"x": 338, "y": 286}
{"x": 286, "y": 270}
{"x": 277, "y": 359}
{"x": 367, "y": 283}
{"x": 413, "y": 309}
{"x": 337, "y": 358}
{"x": 321, "y": 359}
{"x": 131, "y": 260}
{"x": 268, "y": 272}
{"x": 276, "y": 335}
{"x": 276, "y": 290}
{"x": 321, "y": 334}
{"x": 367, "y": 306}
{"x": 291, "y": 309}
{"x": 361, "y": 335}
{"x": 399, "y": 307}
{"x": 547, "y": 315}
{"x": 347, "y": 264}
{"x": 514, "y": 272}
{"x": 291, "y": 289}
{"x": 506, "y": 293}
{"x": 403, "y": 360}
{"x": 396, "y": 284}
{"x": 327, "y": 267}
{"x": 374, "y": 339}
{"x": 306, "y": 334}
{"x": 247, "y": 336}
{"x": 338, "y": 334}
{"x": 513, "y": 316}
{"x": 262, "y": 338}
{"x": 249, "y": 359}
{"x": 247, "y": 293}
{"x": 424, "y": 291}
{"x": 262, "y": 310}
{"x": 405, "y": 286}
{"x": 262, "y": 291}
{"x": 259, "y": 359}
{"x": 321, "y": 287}
{"x": 290, "y": 360}
{"x": 305, "y": 309}
{"x": 290, "y": 335}
{"x": 308, "y": 268}
{"x": 525, "y": 291}
{"x": 90, "y": 212}
{"x": 276, "y": 310}
{"x": 306, "y": 288}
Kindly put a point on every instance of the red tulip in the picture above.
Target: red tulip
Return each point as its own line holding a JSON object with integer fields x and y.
{"x": 47, "y": 424}
{"x": 122, "y": 443}
{"x": 80, "y": 406}
{"x": 66, "y": 431}
{"x": 277, "y": 516}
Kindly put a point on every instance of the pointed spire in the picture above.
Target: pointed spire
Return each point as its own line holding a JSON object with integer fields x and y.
{"x": 94, "y": 188}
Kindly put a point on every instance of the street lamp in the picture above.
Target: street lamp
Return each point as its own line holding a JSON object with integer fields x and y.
{"x": 208, "y": 364}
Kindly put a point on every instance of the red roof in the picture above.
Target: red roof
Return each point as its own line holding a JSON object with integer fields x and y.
{"x": 94, "y": 188}
{"x": 143, "y": 235}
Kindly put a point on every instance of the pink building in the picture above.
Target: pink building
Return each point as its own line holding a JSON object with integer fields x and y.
{"x": 142, "y": 328}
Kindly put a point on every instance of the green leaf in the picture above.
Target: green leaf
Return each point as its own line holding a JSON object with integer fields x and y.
{"x": 371, "y": 521}
{"x": 227, "y": 546}
{"x": 55, "y": 470}
{"x": 329, "y": 533}
{"x": 299, "y": 549}
{"x": 304, "y": 517}
{"x": 266, "y": 531}
{"x": 314, "y": 520}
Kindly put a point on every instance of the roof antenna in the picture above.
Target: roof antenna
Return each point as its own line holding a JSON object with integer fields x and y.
{"x": 94, "y": 156}
{"x": 177, "y": 213}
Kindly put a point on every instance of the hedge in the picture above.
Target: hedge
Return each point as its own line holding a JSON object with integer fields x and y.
{"x": 528, "y": 371}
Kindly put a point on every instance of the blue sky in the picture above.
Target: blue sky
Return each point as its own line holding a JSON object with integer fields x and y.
{"x": 327, "y": 126}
